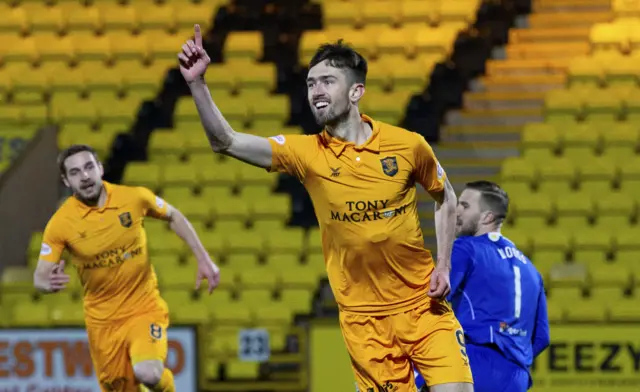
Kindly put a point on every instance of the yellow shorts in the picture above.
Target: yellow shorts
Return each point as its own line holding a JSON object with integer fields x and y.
{"x": 383, "y": 348}
{"x": 116, "y": 348}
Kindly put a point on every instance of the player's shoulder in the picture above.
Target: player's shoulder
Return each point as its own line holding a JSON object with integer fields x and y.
{"x": 64, "y": 215}
{"x": 398, "y": 134}
{"x": 297, "y": 139}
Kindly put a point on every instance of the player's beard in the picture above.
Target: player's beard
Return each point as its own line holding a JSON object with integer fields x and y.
{"x": 331, "y": 116}
{"x": 469, "y": 228}
{"x": 89, "y": 197}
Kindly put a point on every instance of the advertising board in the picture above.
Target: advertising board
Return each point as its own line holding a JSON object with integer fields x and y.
{"x": 58, "y": 359}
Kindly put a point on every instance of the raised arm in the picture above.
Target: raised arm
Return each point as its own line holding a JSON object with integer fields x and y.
{"x": 223, "y": 139}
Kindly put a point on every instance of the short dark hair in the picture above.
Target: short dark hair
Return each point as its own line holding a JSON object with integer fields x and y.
{"x": 492, "y": 198}
{"x": 73, "y": 150}
{"x": 341, "y": 55}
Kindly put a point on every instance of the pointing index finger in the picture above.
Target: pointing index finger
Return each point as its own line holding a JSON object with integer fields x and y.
{"x": 197, "y": 36}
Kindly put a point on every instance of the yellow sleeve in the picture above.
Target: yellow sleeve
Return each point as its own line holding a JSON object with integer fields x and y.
{"x": 152, "y": 205}
{"x": 428, "y": 171}
{"x": 291, "y": 154}
{"x": 53, "y": 243}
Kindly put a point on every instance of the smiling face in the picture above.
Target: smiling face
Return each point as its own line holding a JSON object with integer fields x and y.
{"x": 328, "y": 93}
{"x": 83, "y": 175}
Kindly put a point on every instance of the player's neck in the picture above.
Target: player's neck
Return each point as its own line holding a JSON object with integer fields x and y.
{"x": 351, "y": 129}
{"x": 99, "y": 202}
{"x": 488, "y": 229}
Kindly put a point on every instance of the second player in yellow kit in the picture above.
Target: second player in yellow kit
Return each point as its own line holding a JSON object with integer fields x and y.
{"x": 102, "y": 226}
{"x": 361, "y": 175}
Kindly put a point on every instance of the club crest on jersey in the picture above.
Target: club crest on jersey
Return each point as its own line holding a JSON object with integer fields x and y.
{"x": 125, "y": 219}
{"x": 389, "y": 166}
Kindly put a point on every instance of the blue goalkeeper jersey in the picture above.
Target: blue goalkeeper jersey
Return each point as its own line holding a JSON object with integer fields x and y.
{"x": 498, "y": 296}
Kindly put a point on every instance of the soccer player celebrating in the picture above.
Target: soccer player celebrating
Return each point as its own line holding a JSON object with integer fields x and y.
{"x": 361, "y": 176}
{"x": 102, "y": 227}
{"x": 496, "y": 293}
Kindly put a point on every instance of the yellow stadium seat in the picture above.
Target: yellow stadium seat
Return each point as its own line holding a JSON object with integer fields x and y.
{"x": 568, "y": 274}
{"x": 255, "y": 298}
{"x": 621, "y": 72}
{"x": 314, "y": 241}
{"x": 516, "y": 190}
{"x": 299, "y": 277}
{"x": 166, "y": 142}
{"x": 395, "y": 42}
{"x": 517, "y": 169}
{"x": 276, "y": 207}
{"x": 537, "y": 204}
{"x": 309, "y": 43}
{"x": 418, "y": 13}
{"x": 632, "y": 104}
{"x": 630, "y": 170}
{"x": 260, "y": 276}
{"x": 626, "y": 240}
{"x": 288, "y": 240}
{"x": 580, "y": 141}
{"x": 519, "y": 236}
{"x": 148, "y": 75}
{"x": 236, "y": 264}
{"x": 554, "y": 312}
{"x": 256, "y": 191}
{"x": 246, "y": 242}
{"x": 196, "y": 209}
{"x": 584, "y": 71}
{"x": 274, "y": 313}
{"x": 252, "y": 76}
{"x": 152, "y": 15}
{"x": 142, "y": 174}
{"x": 70, "y": 107}
{"x": 163, "y": 44}
{"x": 558, "y": 176}
{"x": 388, "y": 107}
{"x": 69, "y": 314}
{"x": 625, "y": 7}
{"x": 33, "y": 314}
{"x": 316, "y": 266}
{"x": 223, "y": 342}
{"x": 218, "y": 194}
{"x": 565, "y": 296}
{"x": 218, "y": 174}
{"x": 167, "y": 243}
{"x": 243, "y": 45}
{"x": 625, "y": 310}
{"x": 562, "y": 104}
{"x": 179, "y": 174}
{"x": 378, "y": 78}
{"x": 382, "y": 12}
{"x": 238, "y": 370}
{"x": 540, "y": 136}
{"x": 413, "y": 74}
{"x": 199, "y": 12}
{"x": 616, "y": 204}
{"x": 610, "y": 274}
{"x": 17, "y": 278}
{"x": 575, "y": 204}
{"x": 592, "y": 238}
{"x": 282, "y": 262}
{"x": 551, "y": 239}
{"x": 190, "y": 313}
{"x": 436, "y": 40}
{"x": 590, "y": 256}
{"x": 359, "y": 40}
{"x": 586, "y": 311}
{"x": 608, "y": 37}
{"x": 232, "y": 315}
{"x": 233, "y": 209}
{"x": 35, "y": 243}
{"x": 343, "y": 14}
{"x": 298, "y": 300}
